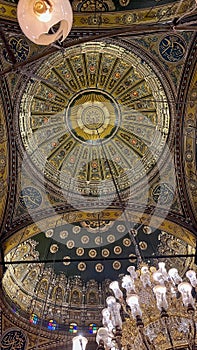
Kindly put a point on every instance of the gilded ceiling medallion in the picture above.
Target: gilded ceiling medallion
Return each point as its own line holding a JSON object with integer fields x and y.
{"x": 105, "y": 253}
{"x": 143, "y": 245}
{"x": 80, "y": 251}
{"x": 132, "y": 258}
{"x": 121, "y": 228}
{"x": 30, "y": 197}
{"x": 63, "y": 234}
{"x": 147, "y": 230}
{"x": 76, "y": 229}
{"x": 99, "y": 267}
{"x": 20, "y": 48}
{"x": 85, "y": 239}
{"x": 116, "y": 265}
{"x": 172, "y": 48}
{"x": 93, "y": 117}
{"x": 49, "y": 233}
{"x": 98, "y": 240}
{"x": 111, "y": 238}
{"x": 117, "y": 250}
{"x": 14, "y": 336}
{"x": 81, "y": 266}
{"x": 54, "y": 248}
{"x": 92, "y": 253}
{"x": 70, "y": 244}
{"x": 126, "y": 242}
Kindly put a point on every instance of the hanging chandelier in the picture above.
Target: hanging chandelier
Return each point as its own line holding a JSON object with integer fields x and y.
{"x": 152, "y": 310}
{"x": 45, "y": 21}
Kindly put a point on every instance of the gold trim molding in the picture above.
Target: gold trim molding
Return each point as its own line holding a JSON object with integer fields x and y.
{"x": 116, "y": 19}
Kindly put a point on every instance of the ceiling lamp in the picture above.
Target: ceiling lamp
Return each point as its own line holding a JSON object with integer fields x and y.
{"x": 153, "y": 310}
{"x": 37, "y": 19}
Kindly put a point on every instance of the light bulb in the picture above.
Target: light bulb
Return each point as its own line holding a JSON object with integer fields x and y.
{"x": 43, "y": 10}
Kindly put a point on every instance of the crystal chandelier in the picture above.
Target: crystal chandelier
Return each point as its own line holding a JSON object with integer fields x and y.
{"x": 152, "y": 310}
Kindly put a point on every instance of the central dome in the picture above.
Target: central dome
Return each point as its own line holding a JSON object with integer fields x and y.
{"x": 97, "y": 109}
{"x": 92, "y": 116}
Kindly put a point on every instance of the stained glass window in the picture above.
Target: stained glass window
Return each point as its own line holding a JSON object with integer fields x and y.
{"x": 52, "y": 325}
{"x": 33, "y": 319}
{"x": 73, "y": 328}
{"x": 92, "y": 328}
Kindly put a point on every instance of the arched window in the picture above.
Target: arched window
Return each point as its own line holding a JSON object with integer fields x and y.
{"x": 52, "y": 325}
{"x": 73, "y": 328}
{"x": 33, "y": 319}
{"x": 92, "y": 328}
{"x": 43, "y": 288}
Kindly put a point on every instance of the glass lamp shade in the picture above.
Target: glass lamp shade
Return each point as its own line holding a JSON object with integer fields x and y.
{"x": 102, "y": 334}
{"x": 115, "y": 287}
{"x": 173, "y": 273}
{"x": 163, "y": 270}
{"x": 114, "y": 309}
{"x": 160, "y": 293}
{"x": 161, "y": 265}
{"x": 79, "y": 343}
{"x": 36, "y": 17}
{"x": 128, "y": 284}
{"x": 145, "y": 276}
{"x": 106, "y": 319}
{"x": 133, "y": 302}
{"x": 106, "y": 314}
{"x": 110, "y": 301}
{"x": 158, "y": 277}
{"x": 131, "y": 270}
{"x": 185, "y": 289}
{"x": 191, "y": 275}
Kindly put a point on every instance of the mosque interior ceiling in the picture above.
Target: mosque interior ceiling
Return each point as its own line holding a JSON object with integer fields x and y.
{"x": 97, "y": 144}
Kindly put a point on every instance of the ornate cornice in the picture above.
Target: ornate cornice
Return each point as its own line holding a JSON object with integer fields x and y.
{"x": 110, "y": 214}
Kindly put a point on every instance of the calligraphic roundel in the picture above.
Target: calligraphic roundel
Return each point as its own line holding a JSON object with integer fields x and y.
{"x": 13, "y": 339}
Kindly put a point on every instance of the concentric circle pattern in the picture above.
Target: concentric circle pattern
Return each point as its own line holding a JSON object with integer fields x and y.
{"x": 92, "y": 117}
{"x": 98, "y": 107}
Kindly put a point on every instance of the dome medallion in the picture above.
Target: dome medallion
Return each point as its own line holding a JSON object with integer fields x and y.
{"x": 93, "y": 116}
